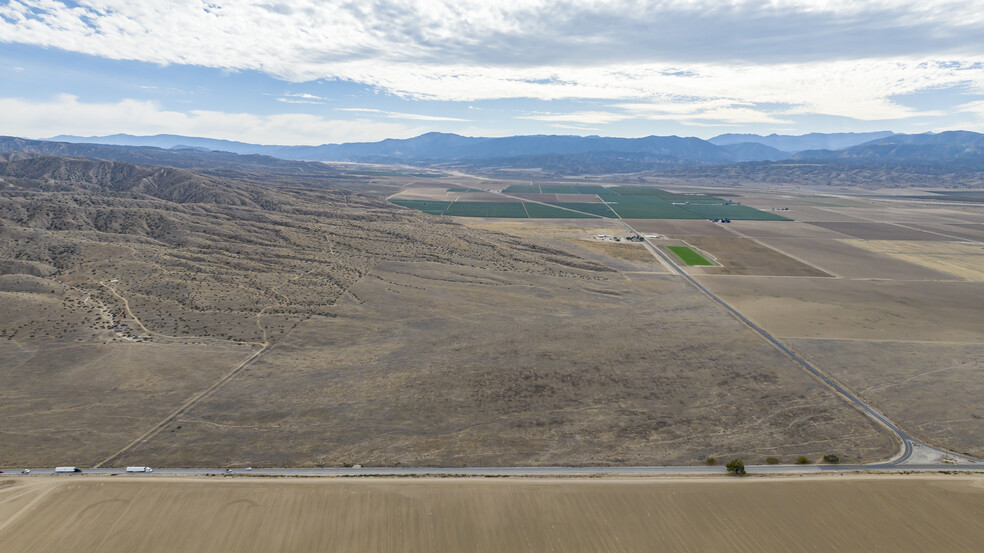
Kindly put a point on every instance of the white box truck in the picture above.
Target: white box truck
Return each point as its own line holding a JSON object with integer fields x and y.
{"x": 68, "y": 470}
{"x": 139, "y": 469}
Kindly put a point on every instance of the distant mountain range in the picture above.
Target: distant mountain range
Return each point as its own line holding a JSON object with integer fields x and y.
{"x": 440, "y": 147}
{"x": 582, "y": 154}
{"x": 812, "y": 141}
{"x": 951, "y": 146}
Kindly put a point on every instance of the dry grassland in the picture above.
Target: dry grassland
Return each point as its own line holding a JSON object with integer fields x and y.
{"x": 105, "y": 515}
{"x": 545, "y": 228}
{"x": 959, "y": 259}
{"x": 429, "y": 366}
{"x": 78, "y": 403}
{"x": 858, "y": 309}
{"x": 933, "y": 390}
{"x": 628, "y": 251}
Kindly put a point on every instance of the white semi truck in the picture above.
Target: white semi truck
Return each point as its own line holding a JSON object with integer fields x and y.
{"x": 139, "y": 469}
{"x": 67, "y": 470}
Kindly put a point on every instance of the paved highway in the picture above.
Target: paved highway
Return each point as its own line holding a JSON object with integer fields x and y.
{"x": 902, "y": 462}
{"x": 521, "y": 471}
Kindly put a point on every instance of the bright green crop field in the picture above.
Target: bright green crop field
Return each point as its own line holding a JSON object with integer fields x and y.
{"x": 689, "y": 256}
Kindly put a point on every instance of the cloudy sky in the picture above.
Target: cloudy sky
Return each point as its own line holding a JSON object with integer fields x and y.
{"x": 312, "y": 72}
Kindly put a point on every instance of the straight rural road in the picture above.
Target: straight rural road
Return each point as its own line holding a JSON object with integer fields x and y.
{"x": 907, "y": 443}
{"x": 528, "y": 471}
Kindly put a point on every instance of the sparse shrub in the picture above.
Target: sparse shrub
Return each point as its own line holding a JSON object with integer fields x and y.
{"x": 711, "y": 461}
{"x": 833, "y": 459}
{"x": 736, "y": 466}
{"x": 772, "y": 460}
{"x": 802, "y": 461}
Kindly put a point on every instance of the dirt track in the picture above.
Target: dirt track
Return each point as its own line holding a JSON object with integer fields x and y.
{"x": 86, "y": 514}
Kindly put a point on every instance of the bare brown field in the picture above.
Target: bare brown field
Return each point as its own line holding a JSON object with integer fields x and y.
{"x": 961, "y": 260}
{"x": 859, "y": 309}
{"x": 955, "y": 231}
{"x": 105, "y": 515}
{"x": 743, "y": 256}
{"x": 783, "y": 229}
{"x": 881, "y": 231}
{"x": 967, "y": 214}
{"x": 429, "y": 366}
{"x": 842, "y": 259}
{"x": 809, "y": 214}
{"x": 675, "y": 228}
{"x": 932, "y": 390}
{"x": 911, "y": 213}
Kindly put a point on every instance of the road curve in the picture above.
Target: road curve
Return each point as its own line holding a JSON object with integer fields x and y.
{"x": 907, "y": 443}
{"x": 905, "y": 440}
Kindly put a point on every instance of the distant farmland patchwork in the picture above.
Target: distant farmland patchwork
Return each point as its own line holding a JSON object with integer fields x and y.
{"x": 616, "y": 202}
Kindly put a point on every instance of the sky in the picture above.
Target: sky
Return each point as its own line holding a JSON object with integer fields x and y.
{"x": 330, "y": 71}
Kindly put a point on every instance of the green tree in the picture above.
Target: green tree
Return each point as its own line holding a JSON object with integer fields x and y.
{"x": 736, "y": 466}
{"x": 831, "y": 459}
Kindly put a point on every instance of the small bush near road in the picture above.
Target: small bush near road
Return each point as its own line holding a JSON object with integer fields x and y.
{"x": 772, "y": 460}
{"x": 736, "y": 466}
{"x": 833, "y": 459}
{"x": 711, "y": 461}
{"x": 802, "y": 461}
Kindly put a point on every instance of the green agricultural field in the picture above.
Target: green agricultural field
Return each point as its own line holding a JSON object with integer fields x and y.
{"x": 427, "y": 206}
{"x": 594, "y": 209}
{"x": 650, "y": 207}
{"x": 522, "y": 189}
{"x": 626, "y": 202}
{"x": 732, "y": 211}
{"x": 487, "y": 209}
{"x": 540, "y": 211}
{"x": 572, "y": 189}
{"x": 664, "y": 195}
{"x": 689, "y": 256}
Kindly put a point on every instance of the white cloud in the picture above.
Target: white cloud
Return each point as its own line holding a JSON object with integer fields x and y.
{"x": 67, "y": 115}
{"x": 828, "y": 57}
{"x": 584, "y": 117}
{"x": 577, "y": 128}
{"x": 400, "y": 115}
{"x": 303, "y": 96}
{"x": 296, "y": 101}
{"x": 976, "y": 108}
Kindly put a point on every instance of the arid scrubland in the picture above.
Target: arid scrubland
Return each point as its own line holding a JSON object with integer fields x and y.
{"x": 385, "y": 336}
